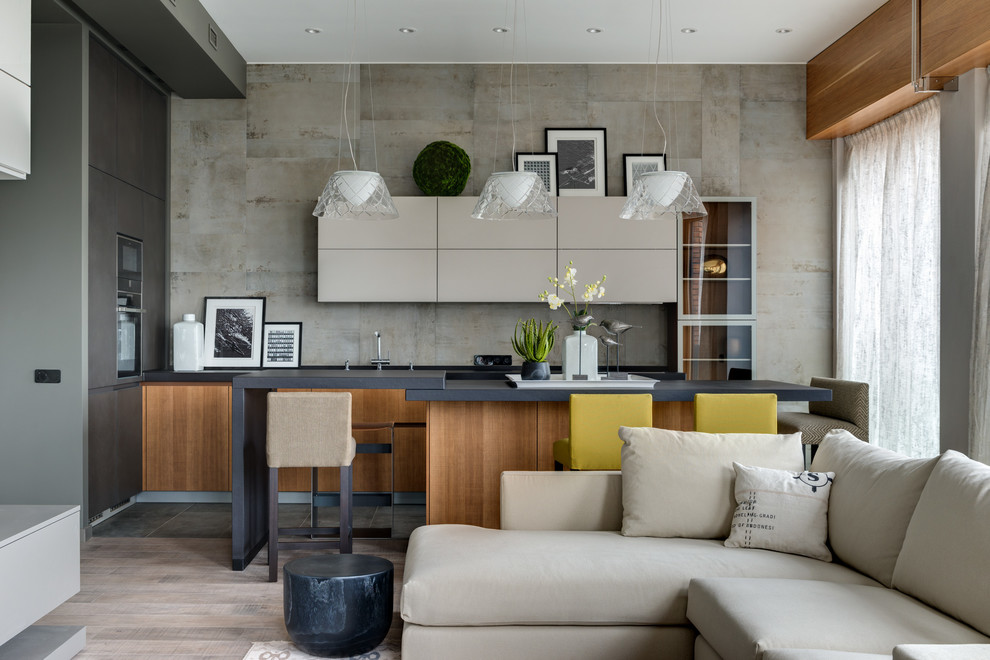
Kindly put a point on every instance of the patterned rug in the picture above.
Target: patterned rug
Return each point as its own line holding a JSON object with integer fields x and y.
{"x": 288, "y": 651}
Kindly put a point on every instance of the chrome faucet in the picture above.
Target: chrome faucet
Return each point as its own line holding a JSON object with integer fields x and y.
{"x": 379, "y": 361}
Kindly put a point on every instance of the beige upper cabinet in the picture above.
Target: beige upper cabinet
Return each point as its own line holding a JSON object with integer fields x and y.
{"x": 436, "y": 252}
{"x": 491, "y": 260}
{"x": 638, "y": 256}
{"x": 15, "y": 90}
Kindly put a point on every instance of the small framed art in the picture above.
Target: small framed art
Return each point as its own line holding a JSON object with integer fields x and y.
{"x": 635, "y": 164}
{"x": 233, "y": 332}
{"x": 282, "y": 345}
{"x": 580, "y": 160}
{"x": 545, "y": 166}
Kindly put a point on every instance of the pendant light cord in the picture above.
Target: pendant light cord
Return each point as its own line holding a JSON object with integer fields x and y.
{"x": 656, "y": 75}
{"x": 347, "y": 86}
{"x": 649, "y": 56}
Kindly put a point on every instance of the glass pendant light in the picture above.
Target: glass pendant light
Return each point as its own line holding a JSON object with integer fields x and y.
{"x": 355, "y": 193}
{"x": 513, "y": 194}
{"x": 658, "y": 193}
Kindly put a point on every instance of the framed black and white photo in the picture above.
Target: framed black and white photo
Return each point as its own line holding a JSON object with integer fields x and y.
{"x": 635, "y": 164}
{"x": 282, "y": 345}
{"x": 545, "y": 166}
{"x": 233, "y": 332}
{"x": 580, "y": 160}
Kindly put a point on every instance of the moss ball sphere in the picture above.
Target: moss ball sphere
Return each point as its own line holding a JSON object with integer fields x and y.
{"x": 442, "y": 169}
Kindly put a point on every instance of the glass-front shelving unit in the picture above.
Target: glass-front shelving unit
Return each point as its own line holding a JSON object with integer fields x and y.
{"x": 717, "y": 298}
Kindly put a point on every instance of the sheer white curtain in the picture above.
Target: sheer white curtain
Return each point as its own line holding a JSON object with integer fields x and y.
{"x": 887, "y": 276}
{"x": 979, "y": 397}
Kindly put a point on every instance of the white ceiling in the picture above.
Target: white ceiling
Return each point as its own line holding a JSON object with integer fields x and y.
{"x": 728, "y": 31}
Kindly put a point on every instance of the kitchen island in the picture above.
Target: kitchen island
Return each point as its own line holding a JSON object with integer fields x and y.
{"x": 476, "y": 429}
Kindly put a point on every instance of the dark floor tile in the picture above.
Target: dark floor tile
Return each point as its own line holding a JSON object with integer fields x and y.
{"x": 210, "y": 507}
{"x": 140, "y": 519}
{"x": 190, "y": 525}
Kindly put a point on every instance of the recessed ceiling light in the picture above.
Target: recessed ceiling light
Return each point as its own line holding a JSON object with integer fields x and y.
{"x": 594, "y": 30}
{"x": 783, "y": 30}
{"x": 313, "y": 30}
{"x": 689, "y": 30}
{"x": 500, "y": 30}
{"x": 407, "y": 30}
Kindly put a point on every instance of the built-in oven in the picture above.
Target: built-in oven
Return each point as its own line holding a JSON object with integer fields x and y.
{"x": 130, "y": 273}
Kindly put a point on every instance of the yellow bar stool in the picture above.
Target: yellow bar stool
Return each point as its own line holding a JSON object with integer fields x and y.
{"x": 309, "y": 429}
{"x": 593, "y": 439}
{"x": 735, "y": 413}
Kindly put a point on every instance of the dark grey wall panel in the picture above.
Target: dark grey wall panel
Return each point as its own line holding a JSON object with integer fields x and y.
{"x": 102, "y": 279}
{"x": 102, "y": 431}
{"x": 43, "y": 290}
{"x": 102, "y": 108}
{"x": 155, "y": 282}
{"x": 128, "y": 452}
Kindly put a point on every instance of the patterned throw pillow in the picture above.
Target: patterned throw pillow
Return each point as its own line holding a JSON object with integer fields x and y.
{"x": 781, "y": 510}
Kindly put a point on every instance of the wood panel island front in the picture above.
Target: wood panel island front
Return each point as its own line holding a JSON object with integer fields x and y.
{"x": 475, "y": 428}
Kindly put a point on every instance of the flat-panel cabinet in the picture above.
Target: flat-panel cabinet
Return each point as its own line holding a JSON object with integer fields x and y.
{"x": 457, "y": 230}
{"x": 493, "y": 275}
{"x": 414, "y": 229}
{"x": 633, "y": 276}
{"x": 15, "y": 90}
{"x": 114, "y": 447}
{"x": 594, "y": 222}
{"x": 376, "y": 276}
{"x": 186, "y": 436}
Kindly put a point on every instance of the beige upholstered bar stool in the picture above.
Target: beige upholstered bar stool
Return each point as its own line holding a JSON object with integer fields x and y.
{"x": 309, "y": 429}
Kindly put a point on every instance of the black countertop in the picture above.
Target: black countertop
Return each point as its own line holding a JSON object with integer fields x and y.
{"x": 371, "y": 379}
{"x": 667, "y": 390}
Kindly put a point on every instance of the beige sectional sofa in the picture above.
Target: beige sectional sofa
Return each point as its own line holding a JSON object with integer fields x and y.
{"x": 909, "y": 579}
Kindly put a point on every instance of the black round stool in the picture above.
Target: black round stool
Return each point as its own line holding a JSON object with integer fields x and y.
{"x": 338, "y": 604}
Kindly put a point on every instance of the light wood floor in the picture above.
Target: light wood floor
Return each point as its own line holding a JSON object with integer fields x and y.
{"x": 178, "y": 598}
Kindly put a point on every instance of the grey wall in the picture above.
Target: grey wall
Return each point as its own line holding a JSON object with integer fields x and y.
{"x": 962, "y": 117}
{"x": 246, "y": 174}
{"x": 43, "y": 289}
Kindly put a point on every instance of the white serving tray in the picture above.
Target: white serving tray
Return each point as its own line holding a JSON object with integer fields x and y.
{"x": 557, "y": 382}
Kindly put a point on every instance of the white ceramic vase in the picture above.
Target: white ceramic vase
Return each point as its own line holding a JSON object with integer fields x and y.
{"x": 580, "y": 355}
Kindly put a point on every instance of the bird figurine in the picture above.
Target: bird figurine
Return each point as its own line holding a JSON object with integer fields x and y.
{"x": 583, "y": 320}
{"x": 608, "y": 343}
{"x": 615, "y": 327}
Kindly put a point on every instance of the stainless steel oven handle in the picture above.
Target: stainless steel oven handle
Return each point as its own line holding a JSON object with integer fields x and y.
{"x": 132, "y": 310}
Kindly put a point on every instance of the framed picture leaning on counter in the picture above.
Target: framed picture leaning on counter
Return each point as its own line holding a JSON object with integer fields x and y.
{"x": 233, "y": 332}
{"x": 282, "y": 345}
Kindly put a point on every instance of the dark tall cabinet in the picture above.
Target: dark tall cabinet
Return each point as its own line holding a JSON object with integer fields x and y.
{"x": 128, "y": 160}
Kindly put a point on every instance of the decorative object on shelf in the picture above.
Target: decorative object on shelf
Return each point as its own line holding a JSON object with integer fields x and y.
{"x": 187, "y": 344}
{"x": 580, "y": 357}
{"x": 655, "y": 194}
{"x": 544, "y": 165}
{"x": 282, "y": 345}
{"x": 615, "y": 328}
{"x": 355, "y": 194}
{"x": 580, "y": 160}
{"x": 635, "y": 165}
{"x": 715, "y": 266}
{"x": 509, "y": 195}
{"x": 608, "y": 343}
{"x": 442, "y": 169}
{"x": 233, "y": 330}
{"x": 532, "y": 341}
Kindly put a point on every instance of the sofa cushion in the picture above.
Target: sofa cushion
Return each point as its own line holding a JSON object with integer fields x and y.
{"x": 460, "y": 575}
{"x": 678, "y": 483}
{"x": 942, "y": 652}
{"x": 872, "y": 499}
{"x": 742, "y": 618}
{"x": 781, "y": 510}
{"x": 818, "y": 654}
{"x": 945, "y": 560}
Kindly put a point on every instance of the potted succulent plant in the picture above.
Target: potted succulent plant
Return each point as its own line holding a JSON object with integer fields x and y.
{"x": 532, "y": 342}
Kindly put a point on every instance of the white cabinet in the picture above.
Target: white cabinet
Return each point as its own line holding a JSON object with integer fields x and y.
{"x": 380, "y": 260}
{"x": 15, "y": 90}
{"x": 493, "y": 275}
{"x": 639, "y": 256}
{"x": 39, "y": 570}
{"x": 436, "y": 252}
{"x": 491, "y": 260}
{"x": 414, "y": 229}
